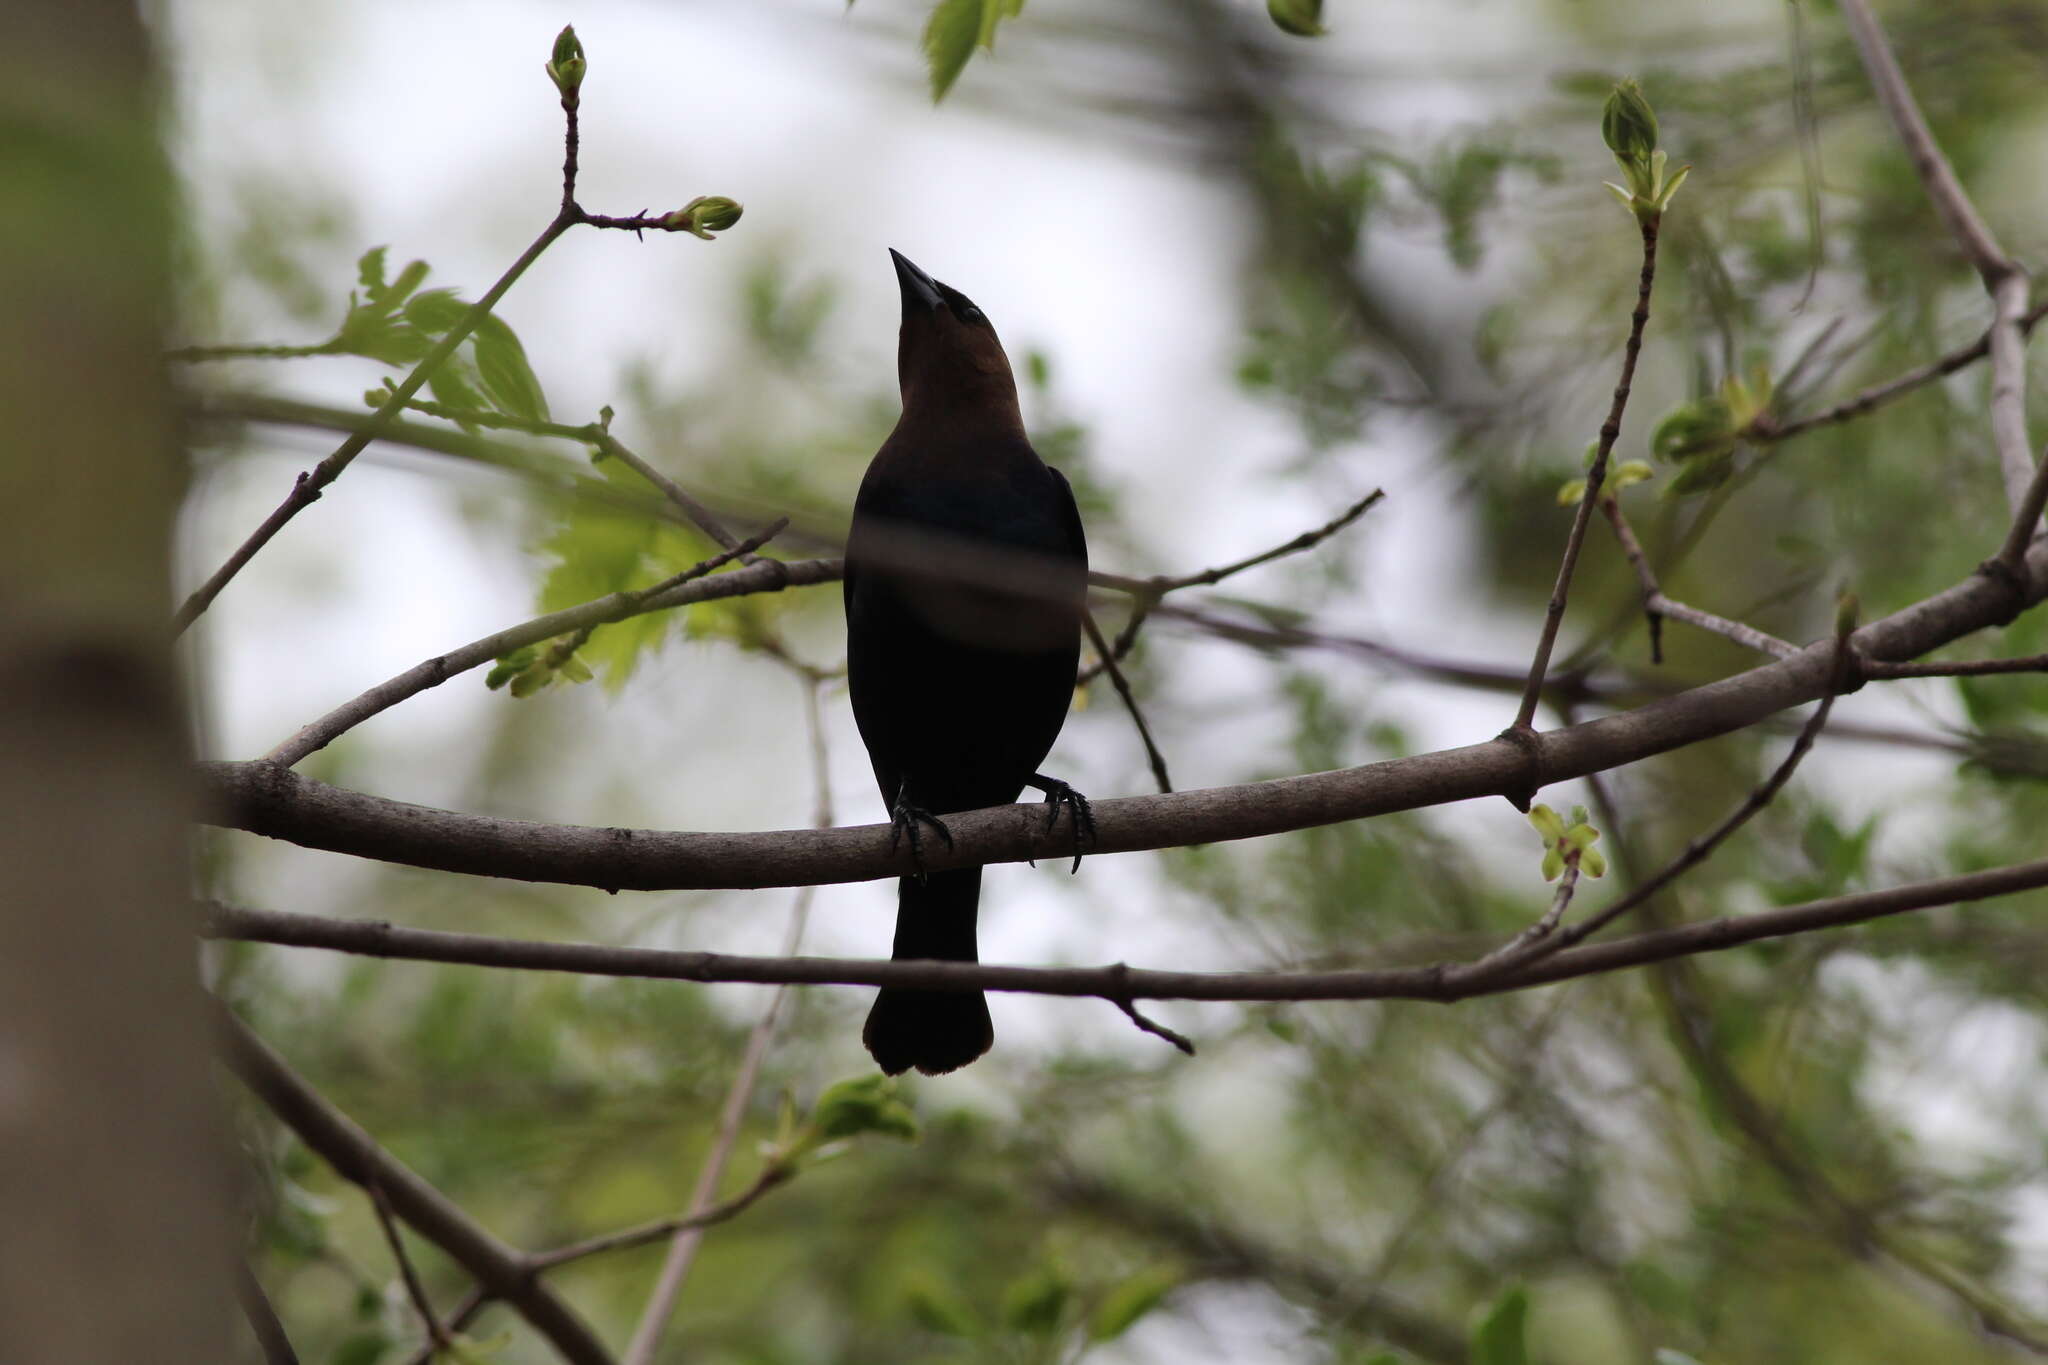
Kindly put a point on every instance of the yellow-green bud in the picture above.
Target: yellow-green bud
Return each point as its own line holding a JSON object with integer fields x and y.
{"x": 566, "y": 66}
{"x": 1628, "y": 125}
{"x": 1302, "y": 18}
{"x": 704, "y": 215}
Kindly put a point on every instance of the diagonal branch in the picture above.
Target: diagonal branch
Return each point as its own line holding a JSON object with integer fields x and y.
{"x": 355, "y": 1155}
{"x": 1610, "y": 430}
{"x": 684, "y": 589}
{"x": 1107, "y": 656}
{"x": 2004, "y": 280}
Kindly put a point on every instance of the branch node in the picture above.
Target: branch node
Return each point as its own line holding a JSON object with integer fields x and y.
{"x": 1120, "y": 996}
{"x": 1525, "y": 738}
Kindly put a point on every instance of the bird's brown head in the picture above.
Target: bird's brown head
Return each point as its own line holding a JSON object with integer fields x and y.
{"x": 947, "y": 356}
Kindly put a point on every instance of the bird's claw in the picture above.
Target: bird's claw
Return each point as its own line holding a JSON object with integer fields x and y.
{"x": 1058, "y": 796}
{"x": 904, "y": 818}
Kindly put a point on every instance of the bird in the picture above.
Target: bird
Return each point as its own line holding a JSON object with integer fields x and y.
{"x": 966, "y": 572}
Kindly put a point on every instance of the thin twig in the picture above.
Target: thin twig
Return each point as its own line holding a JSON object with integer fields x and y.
{"x": 1441, "y": 981}
{"x": 1767, "y": 429}
{"x": 1553, "y": 615}
{"x": 771, "y": 1177}
{"x": 2012, "y": 556}
{"x": 189, "y": 354}
{"x": 1699, "y": 850}
{"x": 1123, "y": 689}
{"x": 692, "y": 585}
{"x": 1958, "y": 668}
{"x": 1307, "y": 540}
{"x": 437, "y": 1335}
{"x": 689, "y": 1233}
{"x": 1657, "y": 606}
{"x": 1146, "y": 593}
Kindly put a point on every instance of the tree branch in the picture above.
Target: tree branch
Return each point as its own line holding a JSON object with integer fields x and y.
{"x": 1442, "y": 981}
{"x": 2003, "y": 278}
{"x": 266, "y": 799}
{"x": 355, "y": 1155}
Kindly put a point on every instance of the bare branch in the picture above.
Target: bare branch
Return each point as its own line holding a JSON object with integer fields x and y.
{"x": 1768, "y": 429}
{"x": 1936, "y": 175}
{"x": 266, "y": 799}
{"x": 1657, "y": 606}
{"x": 437, "y": 1335}
{"x": 1442, "y": 981}
{"x": 1959, "y": 668}
{"x": 2026, "y": 520}
{"x": 1123, "y": 689}
{"x": 2003, "y": 278}
{"x": 1159, "y": 586}
{"x": 1610, "y": 430}
{"x": 768, "y": 575}
{"x": 356, "y": 1156}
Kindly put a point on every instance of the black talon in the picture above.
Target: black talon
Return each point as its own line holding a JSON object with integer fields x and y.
{"x": 1057, "y": 795}
{"x": 904, "y": 818}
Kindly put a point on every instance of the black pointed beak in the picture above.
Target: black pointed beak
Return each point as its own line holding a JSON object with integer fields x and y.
{"x": 920, "y": 291}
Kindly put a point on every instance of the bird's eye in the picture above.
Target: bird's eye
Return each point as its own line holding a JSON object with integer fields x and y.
{"x": 971, "y": 314}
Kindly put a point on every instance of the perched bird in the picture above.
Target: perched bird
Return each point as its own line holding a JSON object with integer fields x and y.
{"x": 965, "y": 572}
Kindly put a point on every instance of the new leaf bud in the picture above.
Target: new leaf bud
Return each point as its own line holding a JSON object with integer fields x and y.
{"x": 566, "y": 66}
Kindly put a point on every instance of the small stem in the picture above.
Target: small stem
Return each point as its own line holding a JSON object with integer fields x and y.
{"x": 1123, "y": 689}
{"x": 1553, "y": 615}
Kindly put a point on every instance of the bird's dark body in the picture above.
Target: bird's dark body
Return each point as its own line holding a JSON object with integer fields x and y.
{"x": 959, "y": 687}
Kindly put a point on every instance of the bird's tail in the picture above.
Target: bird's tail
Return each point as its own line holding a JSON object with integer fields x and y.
{"x": 934, "y": 1031}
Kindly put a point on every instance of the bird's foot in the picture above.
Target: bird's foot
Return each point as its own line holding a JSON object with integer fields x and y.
{"x": 904, "y": 819}
{"x": 1058, "y": 796}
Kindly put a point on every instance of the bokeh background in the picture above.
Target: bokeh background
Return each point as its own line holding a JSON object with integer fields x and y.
{"x": 1256, "y": 277}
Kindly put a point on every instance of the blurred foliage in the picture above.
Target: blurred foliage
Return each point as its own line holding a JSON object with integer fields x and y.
{"x": 1816, "y": 1149}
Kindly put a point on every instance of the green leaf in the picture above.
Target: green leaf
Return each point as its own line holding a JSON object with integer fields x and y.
{"x": 435, "y": 311}
{"x": 1572, "y": 493}
{"x": 1546, "y": 822}
{"x": 1302, "y": 18}
{"x": 1553, "y": 861}
{"x": 950, "y": 37}
{"x": 1499, "y": 1338}
{"x": 1593, "y": 862}
{"x": 574, "y": 669}
{"x": 1628, "y": 472}
{"x": 370, "y": 269}
{"x": 1033, "y": 1304}
{"x": 865, "y": 1104}
{"x": 507, "y": 377}
{"x": 1121, "y": 1308}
